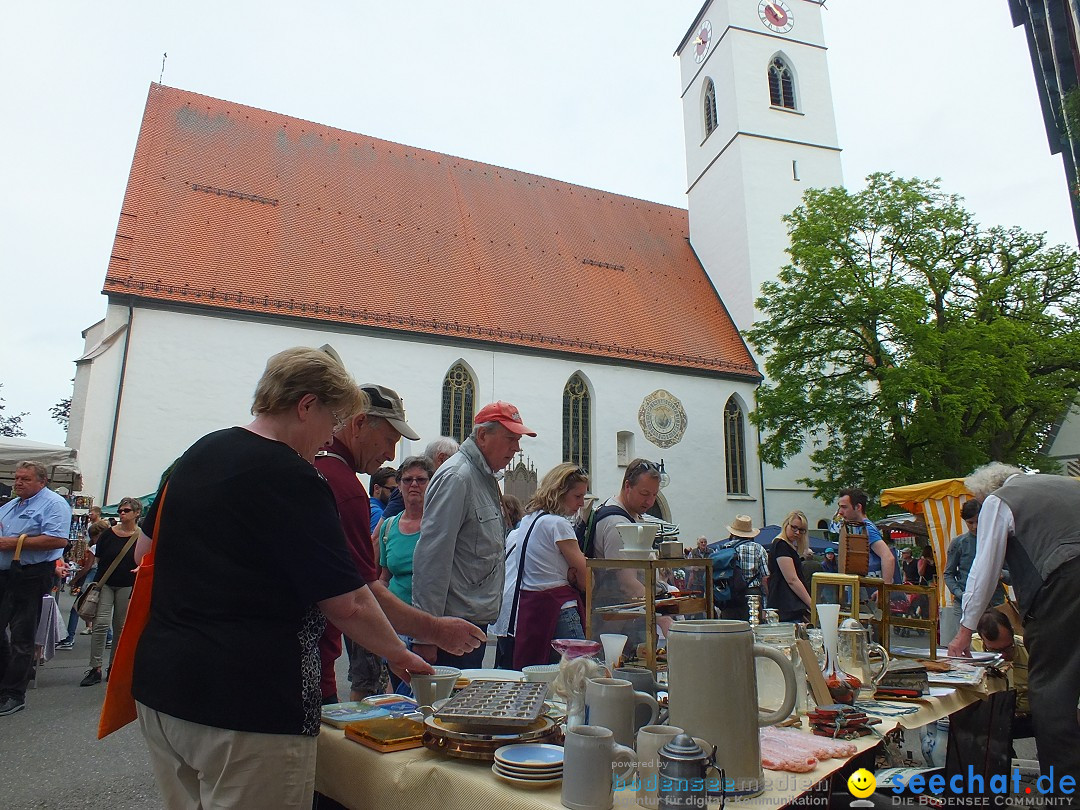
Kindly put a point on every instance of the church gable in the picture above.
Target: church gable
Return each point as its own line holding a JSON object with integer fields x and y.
{"x": 235, "y": 208}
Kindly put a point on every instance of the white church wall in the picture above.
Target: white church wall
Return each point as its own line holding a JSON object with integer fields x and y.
{"x": 190, "y": 374}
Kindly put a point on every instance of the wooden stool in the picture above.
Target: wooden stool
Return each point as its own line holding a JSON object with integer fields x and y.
{"x": 840, "y": 581}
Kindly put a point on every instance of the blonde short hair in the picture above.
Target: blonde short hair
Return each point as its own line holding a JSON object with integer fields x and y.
{"x": 294, "y": 373}
{"x": 555, "y": 484}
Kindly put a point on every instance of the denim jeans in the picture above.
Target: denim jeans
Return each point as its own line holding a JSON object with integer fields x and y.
{"x": 569, "y": 624}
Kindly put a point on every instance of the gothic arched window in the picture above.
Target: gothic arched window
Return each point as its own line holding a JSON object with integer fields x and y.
{"x": 735, "y": 448}
{"x": 576, "y": 406}
{"x": 458, "y": 389}
{"x": 781, "y": 84}
{"x": 710, "y": 107}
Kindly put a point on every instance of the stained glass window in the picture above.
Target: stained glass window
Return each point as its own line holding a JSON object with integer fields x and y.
{"x": 457, "y": 403}
{"x": 735, "y": 448}
{"x": 575, "y": 422}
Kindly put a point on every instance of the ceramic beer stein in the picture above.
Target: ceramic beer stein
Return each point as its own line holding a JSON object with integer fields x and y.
{"x": 590, "y": 756}
{"x": 650, "y": 739}
{"x": 612, "y": 703}
{"x": 643, "y": 680}
{"x": 712, "y": 693}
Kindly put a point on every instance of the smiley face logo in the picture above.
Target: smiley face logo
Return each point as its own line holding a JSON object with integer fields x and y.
{"x": 861, "y": 783}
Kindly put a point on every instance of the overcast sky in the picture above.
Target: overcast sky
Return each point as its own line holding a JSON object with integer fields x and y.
{"x": 585, "y": 91}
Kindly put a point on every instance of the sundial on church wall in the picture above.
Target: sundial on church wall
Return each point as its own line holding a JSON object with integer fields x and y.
{"x": 662, "y": 418}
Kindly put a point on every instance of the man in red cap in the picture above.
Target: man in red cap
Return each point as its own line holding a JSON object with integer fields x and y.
{"x": 458, "y": 565}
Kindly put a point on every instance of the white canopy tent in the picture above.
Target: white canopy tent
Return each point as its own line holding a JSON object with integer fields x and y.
{"x": 61, "y": 462}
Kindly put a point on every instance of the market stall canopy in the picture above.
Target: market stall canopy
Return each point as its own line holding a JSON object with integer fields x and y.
{"x": 904, "y": 522}
{"x": 61, "y": 462}
{"x": 938, "y": 502}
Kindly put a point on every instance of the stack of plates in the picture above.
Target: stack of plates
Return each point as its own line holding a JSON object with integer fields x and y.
{"x": 529, "y": 765}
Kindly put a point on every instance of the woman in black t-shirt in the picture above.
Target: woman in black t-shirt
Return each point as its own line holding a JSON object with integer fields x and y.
{"x": 787, "y": 593}
{"x": 116, "y": 591}
{"x": 226, "y": 672}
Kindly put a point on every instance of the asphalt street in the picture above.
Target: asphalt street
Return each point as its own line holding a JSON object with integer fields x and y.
{"x": 50, "y": 756}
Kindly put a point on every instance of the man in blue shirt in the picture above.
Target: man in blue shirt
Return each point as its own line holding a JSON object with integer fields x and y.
{"x": 45, "y": 519}
{"x": 383, "y": 485}
{"x": 852, "y": 509}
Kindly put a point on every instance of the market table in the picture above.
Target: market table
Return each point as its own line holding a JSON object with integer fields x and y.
{"x": 359, "y": 778}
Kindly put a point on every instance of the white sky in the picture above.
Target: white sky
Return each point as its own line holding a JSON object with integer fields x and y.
{"x": 585, "y": 91}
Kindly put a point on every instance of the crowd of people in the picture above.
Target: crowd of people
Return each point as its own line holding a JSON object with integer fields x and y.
{"x": 415, "y": 569}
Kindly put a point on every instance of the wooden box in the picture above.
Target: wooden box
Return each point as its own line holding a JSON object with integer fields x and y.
{"x": 854, "y": 549}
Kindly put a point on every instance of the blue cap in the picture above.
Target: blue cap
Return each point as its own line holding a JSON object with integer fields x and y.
{"x": 830, "y": 550}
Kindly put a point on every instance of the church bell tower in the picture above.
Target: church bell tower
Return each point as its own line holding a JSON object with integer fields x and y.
{"x": 760, "y": 130}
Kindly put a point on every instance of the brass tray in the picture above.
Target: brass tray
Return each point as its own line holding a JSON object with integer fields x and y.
{"x": 472, "y": 743}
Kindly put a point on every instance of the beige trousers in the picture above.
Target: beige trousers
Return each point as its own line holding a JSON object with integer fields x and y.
{"x": 112, "y": 607}
{"x": 201, "y": 767}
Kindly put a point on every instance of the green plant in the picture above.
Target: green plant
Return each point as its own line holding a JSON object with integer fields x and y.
{"x": 1070, "y": 111}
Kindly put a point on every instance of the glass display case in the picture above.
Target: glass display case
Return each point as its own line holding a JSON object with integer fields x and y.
{"x": 665, "y": 590}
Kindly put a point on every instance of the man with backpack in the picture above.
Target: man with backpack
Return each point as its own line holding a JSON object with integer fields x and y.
{"x": 641, "y": 483}
{"x": 601, "y": 540}
{"x": 740, "y": 568}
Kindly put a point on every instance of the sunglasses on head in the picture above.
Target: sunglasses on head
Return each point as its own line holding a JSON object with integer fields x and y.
{"x": 644, "y": 466}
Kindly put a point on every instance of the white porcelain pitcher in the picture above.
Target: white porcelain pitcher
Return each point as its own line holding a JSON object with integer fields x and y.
{"x": 712, "y": 693}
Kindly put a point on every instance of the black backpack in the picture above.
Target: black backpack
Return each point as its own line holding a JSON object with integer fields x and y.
{"x": 586, "y": 529}
{"x": 729, "y": 580}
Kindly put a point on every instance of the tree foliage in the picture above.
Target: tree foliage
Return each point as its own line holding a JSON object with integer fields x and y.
{"x": 905, "y": 343}
{"x": 61, "y": 412}
{"x": 10, "y": 425}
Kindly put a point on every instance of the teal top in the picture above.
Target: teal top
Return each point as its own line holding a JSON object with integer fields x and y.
{"x": 396, "y": 556}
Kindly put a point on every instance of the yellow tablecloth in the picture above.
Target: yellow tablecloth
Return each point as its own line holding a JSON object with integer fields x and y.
{"x": 362, "y": 779}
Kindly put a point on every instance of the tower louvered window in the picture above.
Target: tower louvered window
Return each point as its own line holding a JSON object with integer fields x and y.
{"x": 710, "y": 107}
{"x": 781, "y": 84}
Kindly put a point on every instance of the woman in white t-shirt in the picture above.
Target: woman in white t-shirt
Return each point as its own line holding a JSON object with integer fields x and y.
{"x": 548, "y": 603}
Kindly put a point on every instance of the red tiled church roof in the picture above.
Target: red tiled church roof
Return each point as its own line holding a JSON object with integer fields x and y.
{"x": 236, "y": 208}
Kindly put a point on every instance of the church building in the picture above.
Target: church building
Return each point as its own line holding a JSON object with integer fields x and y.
{"x": 611, "y": 322}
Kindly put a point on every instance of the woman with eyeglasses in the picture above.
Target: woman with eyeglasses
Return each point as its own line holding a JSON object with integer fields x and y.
{"x": 398, "y": 535}
{"x": 787, "y": 593}
{"x": 544, "y": 571}
{"x": 226, "y": 672}
{"x": 116, "y": 590}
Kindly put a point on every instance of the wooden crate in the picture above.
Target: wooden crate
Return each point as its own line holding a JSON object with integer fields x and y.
{"x": 854, "y": 550}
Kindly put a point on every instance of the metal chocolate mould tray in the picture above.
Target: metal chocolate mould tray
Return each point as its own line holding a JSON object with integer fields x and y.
{"x": 495, "y": 703}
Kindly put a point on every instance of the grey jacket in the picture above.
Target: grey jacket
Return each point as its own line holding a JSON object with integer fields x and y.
{"x": 958, "y": 562}
{"x": 458, "y": 563}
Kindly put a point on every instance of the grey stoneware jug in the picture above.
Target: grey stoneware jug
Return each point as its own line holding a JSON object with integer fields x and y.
{"x": 712, "y": 694}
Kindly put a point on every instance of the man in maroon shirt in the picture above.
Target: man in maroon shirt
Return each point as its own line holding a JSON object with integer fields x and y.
{"x": 362, "y": 445}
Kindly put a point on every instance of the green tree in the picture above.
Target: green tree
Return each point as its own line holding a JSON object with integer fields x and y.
{"x": 61, "y": 412}
{"x": 905, "y": 343}
{"x": 10, "y": 425}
